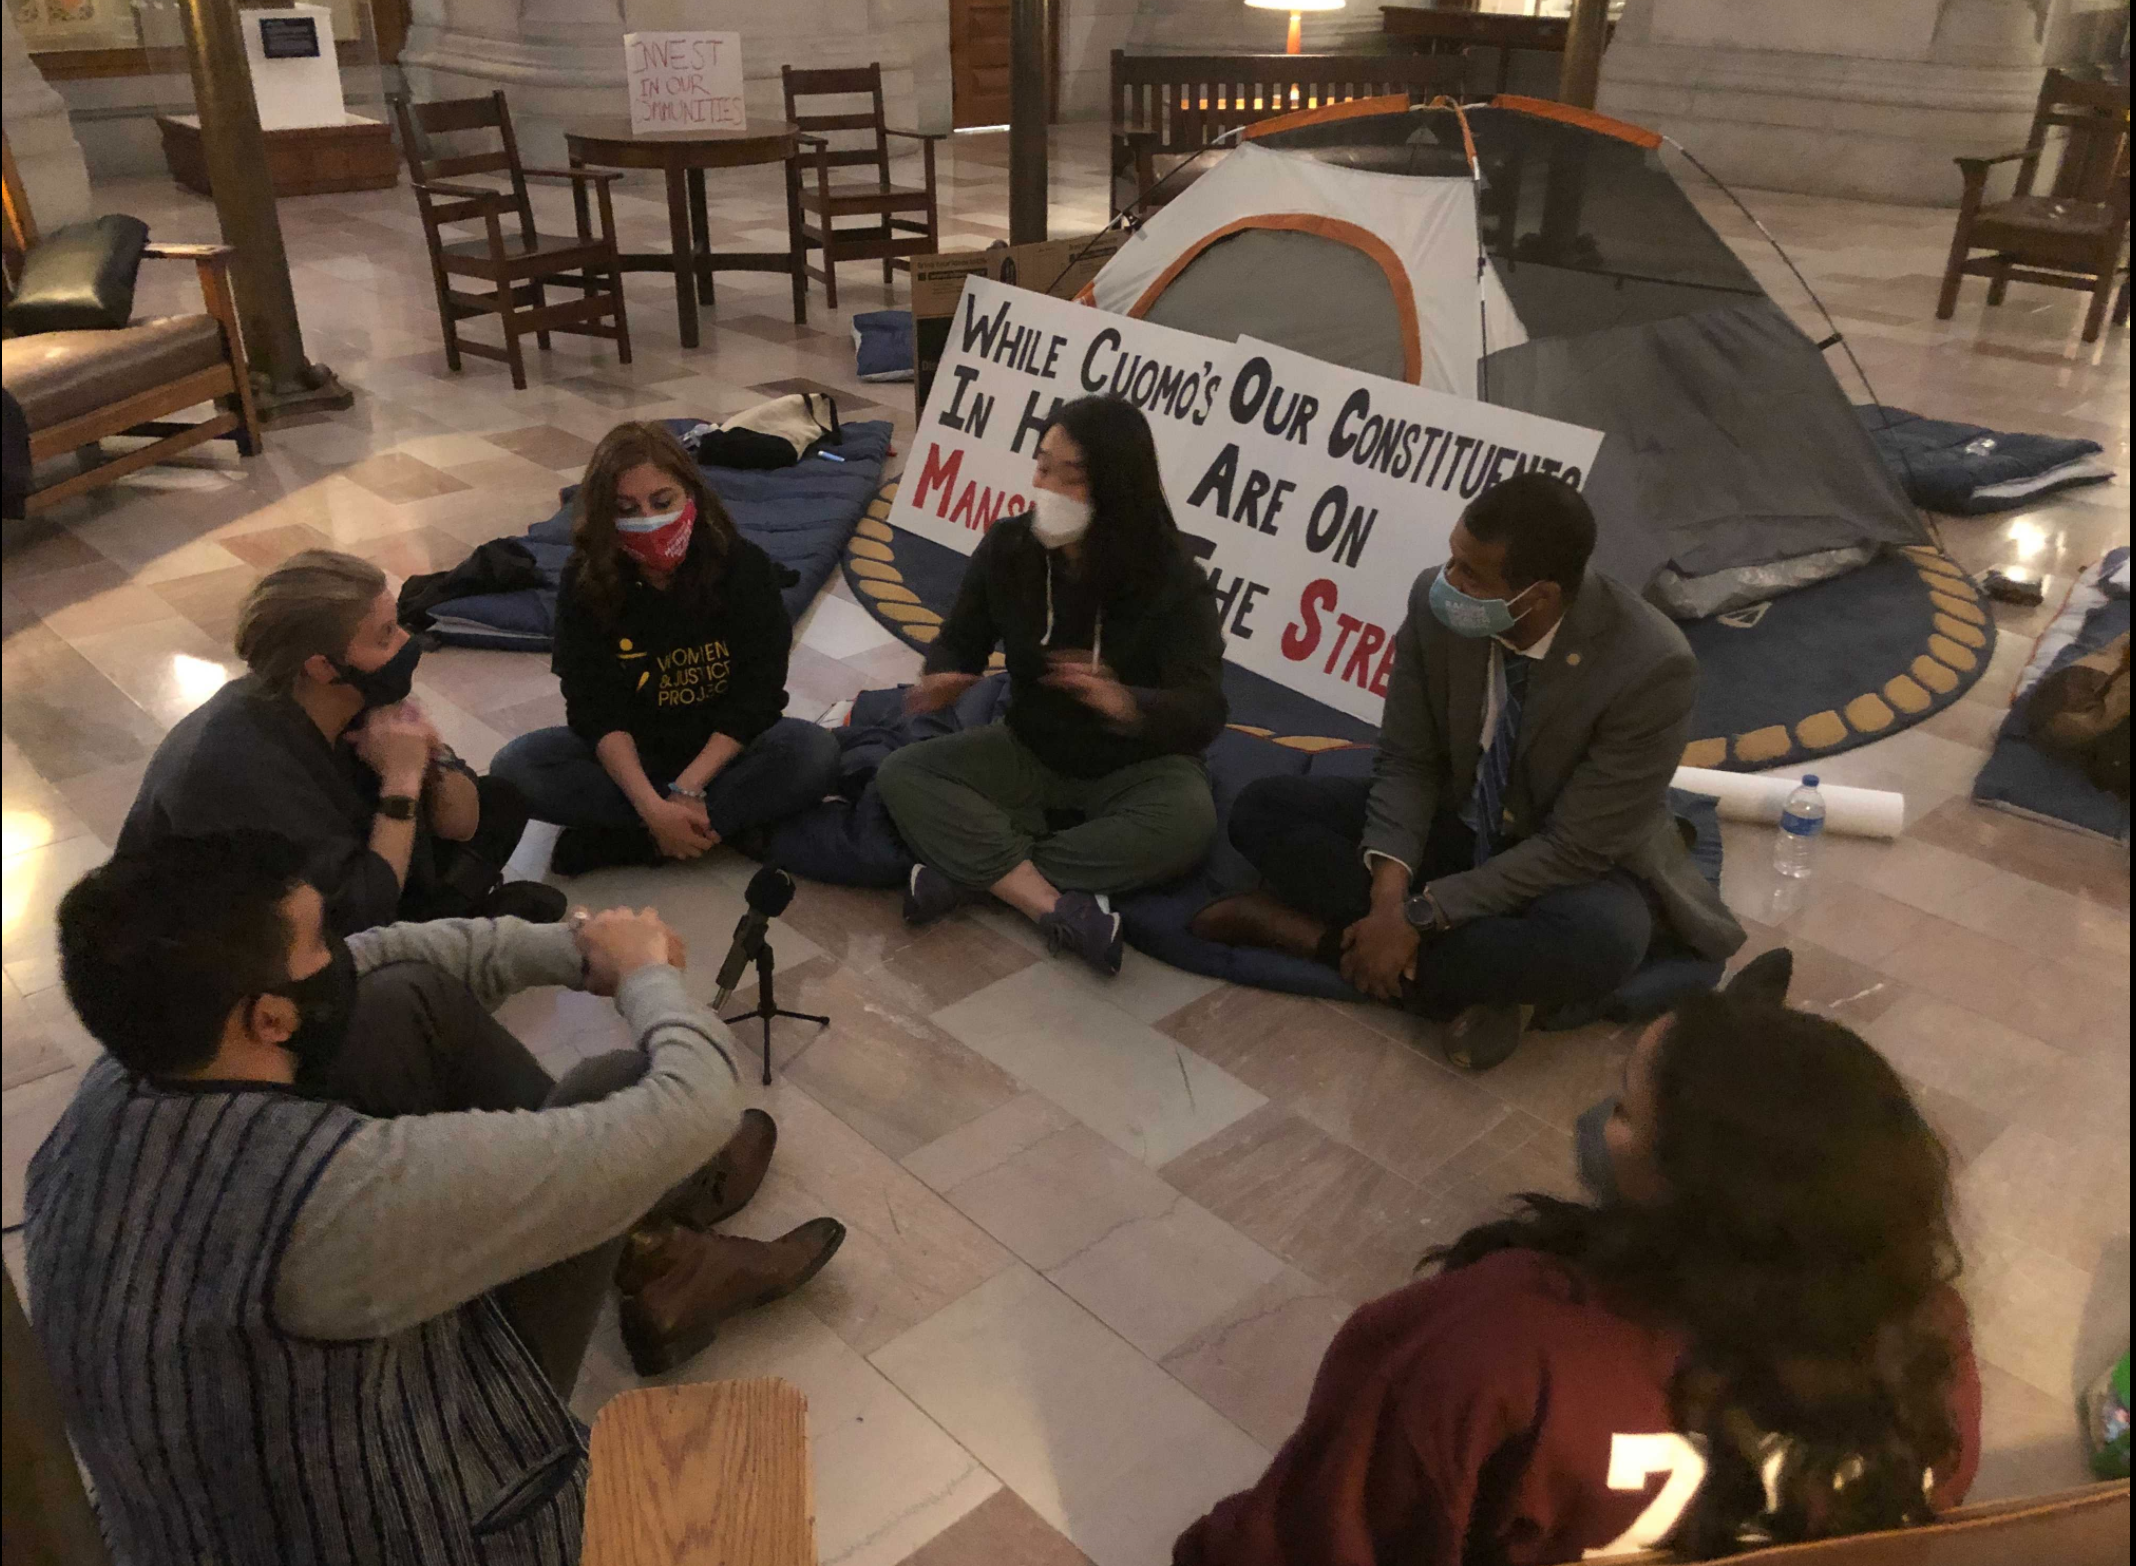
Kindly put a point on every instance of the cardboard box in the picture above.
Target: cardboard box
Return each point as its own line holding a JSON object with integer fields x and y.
{"x": 1059, "y": 267}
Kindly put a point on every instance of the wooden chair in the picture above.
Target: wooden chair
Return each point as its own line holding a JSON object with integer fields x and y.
{"x": 892, "y": 238}
{"x": 1177, "y": 104}
{"x": 76, "y": 388}
{"x": 2072, "y": 236}
{"x": 518, "y": 268}
{"x": 712, "y": 1472}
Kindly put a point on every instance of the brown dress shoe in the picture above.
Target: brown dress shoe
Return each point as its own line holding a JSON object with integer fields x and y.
{"x": 679, "y": 1285}
{"x": 724, "y": 1185}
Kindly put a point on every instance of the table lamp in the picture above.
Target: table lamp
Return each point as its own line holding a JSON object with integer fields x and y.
{"x": 1291, "y": 46}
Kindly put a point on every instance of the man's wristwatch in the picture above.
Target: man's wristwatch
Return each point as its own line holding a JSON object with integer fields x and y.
{"x": 1422, "y": 910}
{"x": 397, "y": 807}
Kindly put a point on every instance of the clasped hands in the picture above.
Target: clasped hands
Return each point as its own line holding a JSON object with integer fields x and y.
{"x": 397, "y": 742}
{"x": 1380, "y": 951}
{"x": 617, "y": 942}
{"x": 1071, "y": 670}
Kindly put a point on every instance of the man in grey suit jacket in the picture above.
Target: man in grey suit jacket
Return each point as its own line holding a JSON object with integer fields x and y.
{"x": 1514, "y": 844}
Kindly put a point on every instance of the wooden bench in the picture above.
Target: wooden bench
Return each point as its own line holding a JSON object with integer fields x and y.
{"x": 1177, "y": 104}
{"x": 711, "y": 1474}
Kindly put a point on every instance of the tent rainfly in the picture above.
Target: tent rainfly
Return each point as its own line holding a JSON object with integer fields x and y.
{"x": 1542, "y": 258}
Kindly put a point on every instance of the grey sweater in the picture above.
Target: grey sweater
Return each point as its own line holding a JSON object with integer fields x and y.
{"x": 414, "y": 1216}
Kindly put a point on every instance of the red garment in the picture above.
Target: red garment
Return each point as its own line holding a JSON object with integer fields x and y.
{"x": 1477, "y": 1415}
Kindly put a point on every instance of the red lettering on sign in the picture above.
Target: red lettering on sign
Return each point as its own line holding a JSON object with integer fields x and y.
{"x": 1303, "y": 635}
{"x": 934, "y": 472}
{"x": 1358, "y": 671}
{"x": 1349, "y": 624}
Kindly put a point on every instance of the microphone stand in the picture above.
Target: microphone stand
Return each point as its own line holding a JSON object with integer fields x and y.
{"x": 767, "y": 1006}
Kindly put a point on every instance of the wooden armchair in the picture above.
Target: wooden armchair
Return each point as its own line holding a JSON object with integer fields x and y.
{"x": 2072, "y": 236}
{"x": 77, "y": 388}
{"x": 517, "y": 268}
{"x": 892, "y": 237}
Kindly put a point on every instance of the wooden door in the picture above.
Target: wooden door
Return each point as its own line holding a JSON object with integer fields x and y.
{"x": 979, "y": 61}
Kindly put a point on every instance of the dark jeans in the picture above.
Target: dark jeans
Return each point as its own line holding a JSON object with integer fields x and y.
{"x": 458, "y": 876}
{"x": 787, "y": 768}
{"x": 421, "y": 1044}
{"x": 1574, "y": 944}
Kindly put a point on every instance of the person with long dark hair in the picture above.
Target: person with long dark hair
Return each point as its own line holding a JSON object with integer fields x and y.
{"x": 1110, "y": 635}
{"x": 1756, "y": 1341}
{"x": 672, "y": 644}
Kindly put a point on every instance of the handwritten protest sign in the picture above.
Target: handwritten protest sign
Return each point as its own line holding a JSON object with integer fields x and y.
{"x": 1313, "y": 494}
{"x": 684, "y": 81}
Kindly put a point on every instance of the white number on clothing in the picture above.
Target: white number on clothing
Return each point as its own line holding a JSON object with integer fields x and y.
{"x": 1634, "y": 1459}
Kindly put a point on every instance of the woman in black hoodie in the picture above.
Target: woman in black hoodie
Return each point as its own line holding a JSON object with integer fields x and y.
{"x": 1094, "y": 782}
{"x": 672, "y": 644}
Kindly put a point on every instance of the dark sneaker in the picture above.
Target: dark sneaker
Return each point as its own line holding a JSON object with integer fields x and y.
{"x": 1764, "y": 978}
{"x": 679, "y": 1285}
{"x": 929, "y": 894}
{"x": 1081, "y": 925}
{"x": 537, "y": 902}
{"x": 1484, "y": 1036}
{"x": 583, "y": 848}
{"x": 723, "y": 1186}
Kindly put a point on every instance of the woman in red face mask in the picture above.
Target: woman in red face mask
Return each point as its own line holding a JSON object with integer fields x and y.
{"x": 671, "y": 643}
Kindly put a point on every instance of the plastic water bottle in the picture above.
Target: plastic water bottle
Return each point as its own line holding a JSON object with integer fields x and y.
{"x": 1802, "y": 822}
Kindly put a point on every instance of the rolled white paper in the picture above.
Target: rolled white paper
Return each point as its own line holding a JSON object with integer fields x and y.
{"x": 1858, "y": 812}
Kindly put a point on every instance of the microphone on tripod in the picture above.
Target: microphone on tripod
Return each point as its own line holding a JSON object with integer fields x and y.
{"x": 770, "y": 890}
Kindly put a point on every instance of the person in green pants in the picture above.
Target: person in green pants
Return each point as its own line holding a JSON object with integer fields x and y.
{"x": 1093, "y": 784}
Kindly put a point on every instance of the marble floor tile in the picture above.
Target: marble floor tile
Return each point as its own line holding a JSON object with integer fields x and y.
{"x": 1147, "y": 1094}
{"x": 2050, "y": 855}
{"x": 881, "y": 1066}
{"x": 1035, "y": 1387}
{"x": 1255, "y": 1364}
{"x": 839, "y": 629}
{"x": 27, "y": 1116}
{"x": 1000, "y": 1531}
{"x": 987, "y": 1142}
{"x": 1060, "y": 1195}
{"x": 2032, "y": 1445}
{"x": 2064, "y": 1002}
{"x": 1157, "y": 1281}
{"x": 952, "y": 960}
{"x": 33, "y": 882}
{"x": 1379, "y": 1095}
{"x": 1325, "y": 1208}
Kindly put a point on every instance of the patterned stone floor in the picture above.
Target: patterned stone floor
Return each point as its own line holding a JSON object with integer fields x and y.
{"x": 1100, "y": 1233}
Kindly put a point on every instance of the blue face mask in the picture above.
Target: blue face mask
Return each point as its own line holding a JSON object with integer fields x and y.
{"x": 1466, "y": 616}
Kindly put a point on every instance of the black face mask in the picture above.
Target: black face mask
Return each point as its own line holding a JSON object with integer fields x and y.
{"x": 390, "y": 682}
{"x": 326, "y": 1003}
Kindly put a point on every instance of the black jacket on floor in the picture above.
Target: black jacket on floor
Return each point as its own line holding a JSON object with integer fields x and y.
{"x": 671, "y": 676}
{"x": 1164, "y": 644}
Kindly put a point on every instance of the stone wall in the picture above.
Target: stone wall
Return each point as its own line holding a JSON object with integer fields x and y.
{"x": 564, "y": 58}
{"x": 1835, "y": 97}
{"x": 55, "y": 176}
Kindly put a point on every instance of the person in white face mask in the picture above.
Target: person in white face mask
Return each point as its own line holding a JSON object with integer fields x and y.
{"x": 1093, "y": 784}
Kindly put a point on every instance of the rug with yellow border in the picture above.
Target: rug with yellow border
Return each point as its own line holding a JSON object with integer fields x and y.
{"x": 1808, "y": 674}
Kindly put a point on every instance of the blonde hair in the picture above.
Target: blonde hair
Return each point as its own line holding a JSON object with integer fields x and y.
{"x": 313, "y": 602}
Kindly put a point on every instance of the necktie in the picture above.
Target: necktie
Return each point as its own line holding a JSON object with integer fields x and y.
{"x": 1497, "y": 765}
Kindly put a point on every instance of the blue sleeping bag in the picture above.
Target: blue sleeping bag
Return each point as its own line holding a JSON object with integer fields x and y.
{"x": 2023, "y": 777}
{"x": 801, "y": 516}
{"x": 1968, "y": 469}
{"x": 851, "y": 841}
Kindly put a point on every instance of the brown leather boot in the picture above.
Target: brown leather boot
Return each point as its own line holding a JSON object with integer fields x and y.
{"x": 679, "y": 1285}
{"x": 724, "y": 1185}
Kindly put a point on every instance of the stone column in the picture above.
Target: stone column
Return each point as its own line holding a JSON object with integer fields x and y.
{"x": 54, "y": 175}
{"x": 1838, "y": 98}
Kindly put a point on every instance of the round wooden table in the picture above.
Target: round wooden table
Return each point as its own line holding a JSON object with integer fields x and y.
{"x": 683, "y": 156}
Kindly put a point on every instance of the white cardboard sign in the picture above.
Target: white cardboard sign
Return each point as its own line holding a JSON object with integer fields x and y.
{"x": 296, "y": 77}
{"x": 684, "y": 81}
{"x": 1313, "y": 494}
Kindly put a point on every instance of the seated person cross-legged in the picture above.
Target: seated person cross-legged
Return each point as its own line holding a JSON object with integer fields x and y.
{"x": 1094, "y": 784}
{"x": 1757, "y": 1341}
{"x": 1514, "y": 844}
{"x": 306, "y": 1294}
{"x": 672, "y": 644}
{"x": 322, "y": 743}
